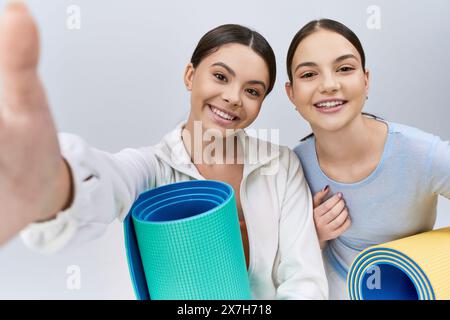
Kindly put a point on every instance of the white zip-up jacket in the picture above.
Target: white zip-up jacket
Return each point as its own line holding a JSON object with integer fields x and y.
{"x": 285, "y": 259}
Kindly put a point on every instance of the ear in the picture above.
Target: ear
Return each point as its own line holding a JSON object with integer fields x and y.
{"x": 367, "y": 81}
{"x": 289, "y": 91}
{"x": 189, "y": 76}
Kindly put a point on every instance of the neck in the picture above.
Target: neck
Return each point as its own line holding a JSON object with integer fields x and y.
{"x": 210, "y": 148}
{"x": 350, "y": 144}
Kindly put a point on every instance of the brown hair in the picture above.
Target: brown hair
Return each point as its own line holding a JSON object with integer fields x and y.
{"x": 234, "y": 33}
{"x": 322, "y": 24}
{"x": 331, "y": 25}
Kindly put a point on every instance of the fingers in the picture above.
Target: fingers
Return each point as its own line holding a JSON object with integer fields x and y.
{"x": 327, "y": 205}
{"x": 334, "y": 212}
{"x": 331, "y": 218}
{"x": 342, "y": 228}
{"x": 339, "y": 220}
{"x": 19, "y": 55}
{"x": 335, "y": 228}
{"x": 318, "y": 197}
{"x": 18, "y": 38}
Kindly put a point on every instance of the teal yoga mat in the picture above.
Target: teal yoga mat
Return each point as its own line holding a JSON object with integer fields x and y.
{"x": 183, "y": 242}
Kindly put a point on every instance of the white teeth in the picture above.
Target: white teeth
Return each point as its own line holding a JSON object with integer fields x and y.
{"x": 330, "y": 104}
{"x": 222, "y": 114}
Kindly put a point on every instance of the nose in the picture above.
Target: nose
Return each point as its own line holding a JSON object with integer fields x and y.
{"x": 329, "y": 84}
{"x": 232, "y": 96}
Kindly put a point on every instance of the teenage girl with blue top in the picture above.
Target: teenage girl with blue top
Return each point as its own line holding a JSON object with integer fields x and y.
{"x": 373, "y": 181}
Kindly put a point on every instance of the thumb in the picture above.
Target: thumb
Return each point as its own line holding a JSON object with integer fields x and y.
{"x": 318, "y": 197}
{"x": 19, "y": 54}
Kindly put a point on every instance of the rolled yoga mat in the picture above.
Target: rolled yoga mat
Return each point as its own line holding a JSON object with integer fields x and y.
{"x": 183, "y": 242}
{"x": 413, "y": 268}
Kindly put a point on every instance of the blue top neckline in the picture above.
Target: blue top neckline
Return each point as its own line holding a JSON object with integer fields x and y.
{"x": 372, "y": 175}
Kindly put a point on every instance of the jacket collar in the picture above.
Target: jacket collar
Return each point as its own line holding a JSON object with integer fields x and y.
{"x": 171, "y": 150}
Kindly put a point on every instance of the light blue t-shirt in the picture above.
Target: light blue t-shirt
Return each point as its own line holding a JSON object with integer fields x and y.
{"x": 396, "y": 200}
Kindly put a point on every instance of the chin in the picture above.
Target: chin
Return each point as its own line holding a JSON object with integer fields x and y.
{"x": 330, "y": 124}
{"x": 214, "y": 127}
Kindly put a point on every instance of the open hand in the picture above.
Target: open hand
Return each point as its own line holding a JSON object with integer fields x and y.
{"x": 34, "y": 178}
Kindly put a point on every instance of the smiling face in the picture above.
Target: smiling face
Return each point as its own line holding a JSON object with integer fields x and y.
{"x": 227, "y": 87}
{"x": 329, "y": 86}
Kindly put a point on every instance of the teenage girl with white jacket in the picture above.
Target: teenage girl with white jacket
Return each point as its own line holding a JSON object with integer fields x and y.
{"x": 63, "y": 191}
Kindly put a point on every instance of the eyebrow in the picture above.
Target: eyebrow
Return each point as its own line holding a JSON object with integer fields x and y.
{"x": 313, "y": 64}
{"x": 231, "y": 71}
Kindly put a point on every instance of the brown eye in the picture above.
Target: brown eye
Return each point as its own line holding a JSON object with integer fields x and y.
{"x": 346, "y": 69}
{"x": 307, "y": 75}
{"x": 220, "y": 76}
{"x": 253, "y": 92}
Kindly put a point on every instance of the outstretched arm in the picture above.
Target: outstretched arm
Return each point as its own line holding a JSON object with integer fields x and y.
{"x": 57, "y": 186}
{"x": 35, "y": 181}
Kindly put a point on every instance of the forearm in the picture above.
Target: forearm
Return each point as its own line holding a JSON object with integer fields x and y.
{"x": 64, "y": 192}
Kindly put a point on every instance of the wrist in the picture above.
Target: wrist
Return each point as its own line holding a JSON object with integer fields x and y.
{"x": 63, "y": 192}
{"x": 66, "y": 182}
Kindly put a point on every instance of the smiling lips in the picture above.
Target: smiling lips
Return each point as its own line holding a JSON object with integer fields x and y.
{"x": 223, "y": 114}
{"x": 330, "y": 105}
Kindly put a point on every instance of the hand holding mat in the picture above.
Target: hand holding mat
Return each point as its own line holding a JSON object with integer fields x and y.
{"x": 413, "y": 268}
{"x": 183, "y": 241}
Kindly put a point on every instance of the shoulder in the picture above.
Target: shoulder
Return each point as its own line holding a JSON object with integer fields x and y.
{"x": 291, "y": 172}
{"x": 306, "y": 153}
{"x": 281, "y": 163}
{"x": 305, "y": 148}
{"x": 412, "y": 140}
{"x": 266, "y": 153}
{"x": 409, "y": 133}
{"x": 288, "y": 158}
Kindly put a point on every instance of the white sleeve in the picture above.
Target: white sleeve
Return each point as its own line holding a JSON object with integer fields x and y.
{"x": 105, "y": 187}
{"x": 301, "y": 273}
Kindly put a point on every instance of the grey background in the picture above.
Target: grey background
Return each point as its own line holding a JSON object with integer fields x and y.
{"x": 117, "y": 82}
